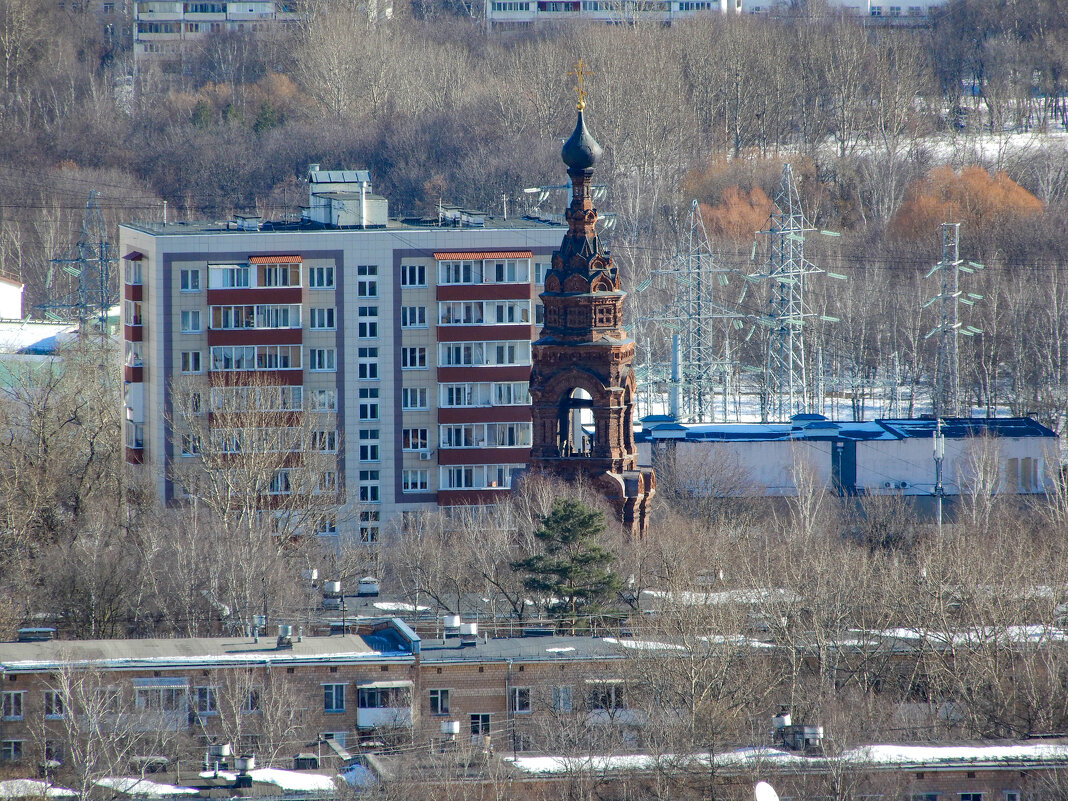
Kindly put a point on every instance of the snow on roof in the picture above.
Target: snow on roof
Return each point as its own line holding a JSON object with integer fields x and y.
{"x": 290, "y": 780}
{"x": 24, "y": 336}
{"x": 646, "y": 645}
{"x": 398, "y": 606}
{"x": 143, "y": 787}
{"x": 32, "y": 788}
{"x": 184, "y": 652}
{"x": 753, "y": 595}
{"x": 928, "y": 756}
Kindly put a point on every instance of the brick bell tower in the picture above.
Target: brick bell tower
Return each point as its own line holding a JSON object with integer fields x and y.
{"x": 582, "y": 381}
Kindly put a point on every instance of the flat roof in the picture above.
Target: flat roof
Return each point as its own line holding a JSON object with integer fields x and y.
{"x": 522, "y": 649}
{"x": 220, "y": 228}
{"x": 664, "y": 427}
{"x": 187, "y": 652}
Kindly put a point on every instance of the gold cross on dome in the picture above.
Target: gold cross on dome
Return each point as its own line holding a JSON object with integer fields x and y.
{"x": 579, "y": 73}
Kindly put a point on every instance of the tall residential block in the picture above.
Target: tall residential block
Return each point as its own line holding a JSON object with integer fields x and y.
{"x": 411, "y": 339}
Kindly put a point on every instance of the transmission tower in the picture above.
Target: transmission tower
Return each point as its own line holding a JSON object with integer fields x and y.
{"x": 91, "y": 266}
{"x": 784, "y": 367}
{"x": 946, "y": 396}
{"x": 698, "y": 367}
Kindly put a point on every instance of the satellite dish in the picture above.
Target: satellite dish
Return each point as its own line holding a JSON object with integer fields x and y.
{"x": 765, "y": 792}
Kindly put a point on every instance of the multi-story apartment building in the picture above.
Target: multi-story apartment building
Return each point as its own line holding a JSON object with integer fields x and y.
{"x": 411, "y": 340}
{"x": 512, "y": 15}
{"x": 168, "y": 34}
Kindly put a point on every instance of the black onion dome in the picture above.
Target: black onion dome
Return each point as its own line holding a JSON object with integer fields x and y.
{"x": 581, "y": 151}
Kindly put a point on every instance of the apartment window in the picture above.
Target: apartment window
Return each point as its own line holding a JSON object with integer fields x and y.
{"x": 480, "y": 724}
{"x": 369, "y": 486}
{"x": 467, "y": 354}
{"x": 971, "y": 796}
{"x": 131, "y": 271}
{"x": 562, "y": 700}
{"x": 206, "y": 701}
{"x": 190, "y": 361}
{"x": 324, "y": 441}
{"x": 460, "y": 477}
{"x": 413, "y": 275}
{"x": 228, "y": 276}
{"x": 11, "y": 750}
{"x": 12, "y": 705}
{"x": 413, "y": 398}
{"x": 189, "y": 280}
{"x": 508, "y": 271}
{"x": 369, "y": 526}
{"x": 439, "y": 702}
{"x": 539, "y": 314}
{"x": 278, "y": 275}
{"x": 163, "y": 699}
{"x": 414, "y": 439}
{"x": 413, "y": 358}
{"x": 876, "y": 11}
{"x": 53, "y": 704}
{"x": 135, "y": 434}
{"x": 368, "y": 403}
{"x": 608, "y": 695}
{"x": 280, "y": 483}
{"x": 133, "y": 311}
{"x": 320, "y": 277}
{"x": 322, "y": 317}
{"x": 190, "y": 444}
{"x": 520, "y": 700}
{"x": 322, "y": 360}
{"x": 917, "y": 11}
{"x": 541, "y": 269}
{"x": 508, "y": 312}
{"x": 190, "y": 321}
{"x": 923, "y": 796}
{"x": 368, "y": 451}
{"x": 53, "y": 751}
{"x": 459, "y": 272}
{"x": 413, "y": 317}
{"x": 367, "y": 322}
{"x": 323, "y": 400}
{"x": 333, "y": 698}
{"x": 894, "y": 11}
{"x": 326, "y": 526}
{"x": 326, "y": 481}
{"x": 367, "y": 364}
{"x": 415, "y": 480}
{"x": 366, "y": 281}
{"x": 251, "y": 702}
{"x": 461, "y": 312}
{"x": 1012, "y": 795}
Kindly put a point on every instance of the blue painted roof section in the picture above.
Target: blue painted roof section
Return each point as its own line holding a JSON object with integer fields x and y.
{"x": 816, "y": 427}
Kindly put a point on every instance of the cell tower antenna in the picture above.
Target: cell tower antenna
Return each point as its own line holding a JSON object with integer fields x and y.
{"x": 91, "y": 265}
{"x": 946, "y": 395}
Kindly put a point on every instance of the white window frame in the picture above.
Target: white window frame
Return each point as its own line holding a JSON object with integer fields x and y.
{"x": 322, "y": 318}
{"x": 413, "y": 276}
{"x": 418, "y": 394}
{"x": 191, "y": 362}
{"x": 413, "y": 317}
{"x": 13, "y": 705}
{"x": 321, "y": 277}
{"x": 189, "y": 279}
{"x": 190, "y": 321}
{"x": 414, "y": 358}
{"x": 417, "y": 480}
{"x": 322, "y": 360}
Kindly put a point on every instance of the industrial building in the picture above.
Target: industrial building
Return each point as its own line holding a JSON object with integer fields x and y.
{"x": 880, "y": 457}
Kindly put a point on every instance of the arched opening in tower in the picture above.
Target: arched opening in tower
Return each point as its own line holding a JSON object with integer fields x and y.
{"x": 576, "y": 427}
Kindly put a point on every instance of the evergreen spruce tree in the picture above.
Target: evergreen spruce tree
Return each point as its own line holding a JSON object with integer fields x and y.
{"x": 574, "y": 569}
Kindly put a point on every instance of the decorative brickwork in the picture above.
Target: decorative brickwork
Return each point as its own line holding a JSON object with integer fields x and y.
{"x": 582, "y": 373}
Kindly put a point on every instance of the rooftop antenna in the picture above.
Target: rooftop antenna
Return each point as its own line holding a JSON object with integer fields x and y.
{"x": 91, "y": 265}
